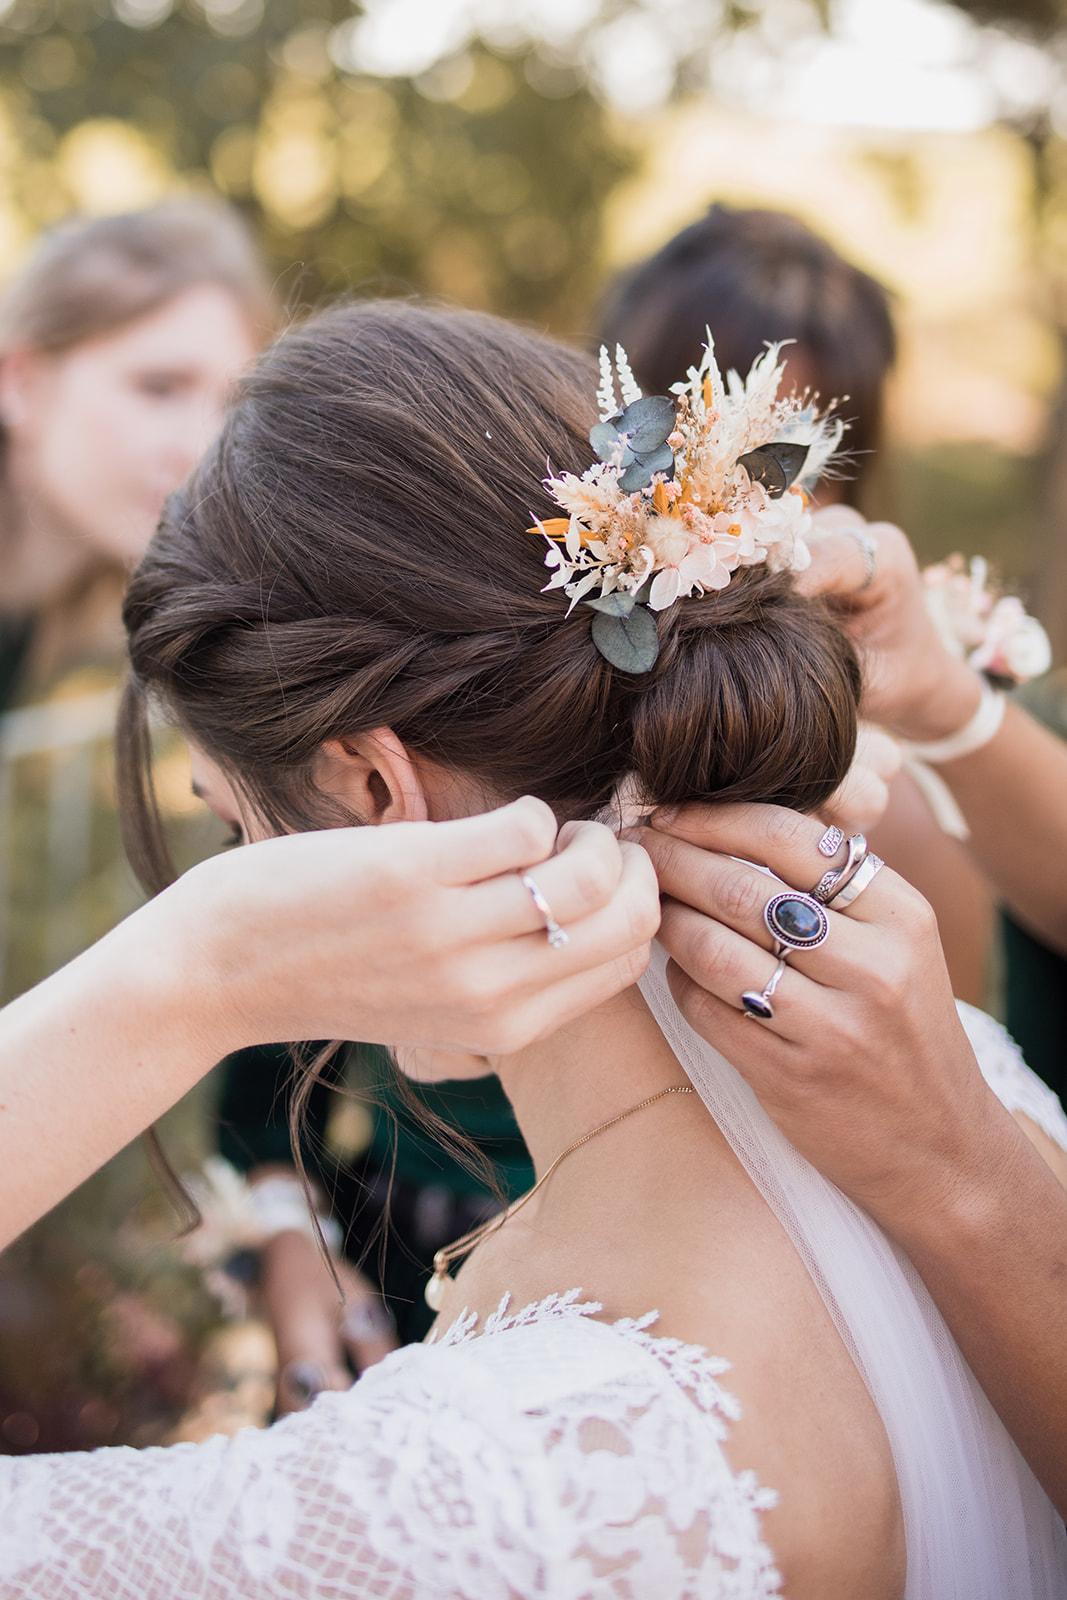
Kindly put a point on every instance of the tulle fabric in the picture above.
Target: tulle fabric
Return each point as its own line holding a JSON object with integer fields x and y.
{"x": 977, "y": 1524}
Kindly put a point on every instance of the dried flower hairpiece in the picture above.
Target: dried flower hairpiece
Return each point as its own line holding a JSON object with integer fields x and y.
{"x": 685, "y": 491}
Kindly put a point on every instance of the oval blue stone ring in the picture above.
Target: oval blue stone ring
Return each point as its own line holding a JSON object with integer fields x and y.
{"x": 796, "y": 921}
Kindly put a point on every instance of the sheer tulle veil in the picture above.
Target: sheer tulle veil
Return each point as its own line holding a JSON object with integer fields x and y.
{"x": 977, "y": 1524}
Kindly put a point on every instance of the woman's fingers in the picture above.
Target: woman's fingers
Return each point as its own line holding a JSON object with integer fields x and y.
{"x": 579, "y": 881}
{"x": 622, "y": 928}
{"x": 368, "y": 1332}
{"x": 785, "y": 841}
{"x": 860, "y": 803}
{"x": 726, "y": 965}
{"x": 759, "y": 1050}
{"x": 545, "y": 1011}
{"x": 472, "y": 849}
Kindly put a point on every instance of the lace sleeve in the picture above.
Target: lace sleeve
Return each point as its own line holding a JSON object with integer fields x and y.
{"x": 1016, "y": 1085}
{"x": 438, "y": 1475}
{"x": 361, "y": 1495}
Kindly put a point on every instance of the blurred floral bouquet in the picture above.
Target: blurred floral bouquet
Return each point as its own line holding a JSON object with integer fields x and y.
{"x": 992, "y": 633}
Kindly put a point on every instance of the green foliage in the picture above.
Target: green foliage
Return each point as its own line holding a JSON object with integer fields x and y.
{"x": 470, "y": 182}
{"x": 1040, "y": 16}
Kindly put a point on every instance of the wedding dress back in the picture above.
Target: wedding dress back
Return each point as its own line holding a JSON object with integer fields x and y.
{"x": 551, "y": 1453}
{"x": 976, "y": 1521}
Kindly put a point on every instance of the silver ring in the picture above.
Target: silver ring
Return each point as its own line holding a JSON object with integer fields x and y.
{"x": 861, "y": 879}
{"x": 869, "y": 548}
{"x": 756, "y": 1003}
{"x": 557, "y": 936}
{"x": 834, "y": 880}
{"x": 368, "y": 1318}
{"x": 831, "y": 842}
{"x": 796, "y": 921}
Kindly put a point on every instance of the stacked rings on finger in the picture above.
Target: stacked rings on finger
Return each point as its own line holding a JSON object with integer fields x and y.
{"x": 835, "y": 879}
{"x": 557, "y": 936}
{"x": 865, "y": 873}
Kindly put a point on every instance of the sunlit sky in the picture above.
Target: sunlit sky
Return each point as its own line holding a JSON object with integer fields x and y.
{"x": 889, "y": 64}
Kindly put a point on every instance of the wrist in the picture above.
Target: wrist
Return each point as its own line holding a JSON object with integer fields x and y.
{"x": 953, "y": 1208}
{"x": 945, "y": 706}
{"x": 188, "y": 961}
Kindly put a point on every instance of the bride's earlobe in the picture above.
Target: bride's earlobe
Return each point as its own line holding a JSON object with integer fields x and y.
{"x": 375, "y": 776}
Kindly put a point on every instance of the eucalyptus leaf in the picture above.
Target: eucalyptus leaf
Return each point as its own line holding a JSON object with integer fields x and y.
{"x": 660, "y": 460}
{"x": 619, "y": 604}
{"x": 630, "y": 643}
{"x": 603, "y": 438}
{"x": 775, "y": 465}
{"x": 649, "y": 422}
{"x": 637, "y": 476}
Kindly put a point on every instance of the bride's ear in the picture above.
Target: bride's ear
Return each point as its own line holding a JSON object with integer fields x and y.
{"x": 375, "y": 777}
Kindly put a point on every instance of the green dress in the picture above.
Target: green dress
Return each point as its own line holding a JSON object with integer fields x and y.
{"x": 1035, "y": 976}
{"x": 398, "y": 1195}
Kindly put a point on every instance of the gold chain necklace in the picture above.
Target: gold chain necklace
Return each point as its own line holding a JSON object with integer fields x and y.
{"x": 435, "y": 1288}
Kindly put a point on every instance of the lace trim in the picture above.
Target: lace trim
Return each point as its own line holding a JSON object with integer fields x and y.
{"x": 690, "y": 1366}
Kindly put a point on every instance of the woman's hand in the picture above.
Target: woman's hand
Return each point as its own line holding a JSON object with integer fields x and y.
{"x": 867, "y": 1070}
{"x": 865, "y": 1067}
{"x": 321, "y": 1343}
{"x": 913, "y": 685}
{"x": 414, "y": 933}
{"x": 860, "y": 803}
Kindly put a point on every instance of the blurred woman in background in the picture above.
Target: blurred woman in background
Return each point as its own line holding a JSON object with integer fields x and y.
{"x": 119, "y": 342}
{"x": 754, "y": 276}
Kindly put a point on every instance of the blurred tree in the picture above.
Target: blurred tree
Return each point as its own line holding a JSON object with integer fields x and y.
{"x": 1045, "y": 21}
{"x": 468, "y": 181}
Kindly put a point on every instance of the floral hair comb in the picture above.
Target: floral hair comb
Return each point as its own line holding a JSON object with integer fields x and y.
{"x": 685, "y": 491}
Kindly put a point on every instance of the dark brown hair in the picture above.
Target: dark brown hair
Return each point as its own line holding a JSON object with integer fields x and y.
{"x": 352, "y": 554}
{"x": 754, "y": 276}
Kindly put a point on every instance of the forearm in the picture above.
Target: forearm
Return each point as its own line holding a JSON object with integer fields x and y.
{"x": 993, "y": 1254}
{"x": 97, "y": 1052}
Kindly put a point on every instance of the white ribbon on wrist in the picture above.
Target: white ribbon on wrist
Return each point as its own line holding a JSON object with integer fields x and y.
{"x": 978, "y": 731}
{"x": 280, "y": 1206}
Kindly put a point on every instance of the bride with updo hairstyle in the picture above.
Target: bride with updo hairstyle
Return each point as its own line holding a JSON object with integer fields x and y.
{"x": 689, "y": 1366}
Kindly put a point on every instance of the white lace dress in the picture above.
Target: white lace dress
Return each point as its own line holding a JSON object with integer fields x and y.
{"x": 547, "y": 1454}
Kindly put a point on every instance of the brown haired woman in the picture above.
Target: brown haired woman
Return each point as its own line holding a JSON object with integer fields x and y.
{"x": 120, "y": 339}
{"x": 402, "y": 664}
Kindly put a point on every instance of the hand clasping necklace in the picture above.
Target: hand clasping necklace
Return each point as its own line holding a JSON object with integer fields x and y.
{"x": 443, "y": 1259}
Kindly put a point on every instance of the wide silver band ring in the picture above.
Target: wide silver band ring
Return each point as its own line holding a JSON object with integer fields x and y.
{"x": 557, "y": 936}
{"x": 837, "y": 877}
{"x": 796, "y": 921}
{"x": 861, "y": 879}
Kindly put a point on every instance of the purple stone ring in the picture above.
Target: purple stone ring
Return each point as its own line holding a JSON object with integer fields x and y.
{"x": 796, "y": 921}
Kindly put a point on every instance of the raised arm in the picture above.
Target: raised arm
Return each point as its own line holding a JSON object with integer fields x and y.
{"x": 415, "y": 934}
{"x": 1011, "y": 790}
{"x": 869, "y": 1071}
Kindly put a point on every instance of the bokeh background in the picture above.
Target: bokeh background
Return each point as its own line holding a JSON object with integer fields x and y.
{"x": 507, "y": 154}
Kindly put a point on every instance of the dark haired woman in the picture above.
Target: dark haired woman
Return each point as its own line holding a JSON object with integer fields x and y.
{"x": 403, "y": 665}
{"x": 750, "y": 275}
